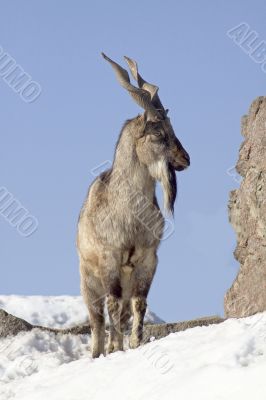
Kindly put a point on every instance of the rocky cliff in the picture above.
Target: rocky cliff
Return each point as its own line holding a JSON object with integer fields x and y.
{"x": 247, "y": 214}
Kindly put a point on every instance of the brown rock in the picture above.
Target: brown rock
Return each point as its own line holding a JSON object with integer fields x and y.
{"x": 11, "y": 326}
{"x": 159, "y": 331}
{"x": 247, "y": 214}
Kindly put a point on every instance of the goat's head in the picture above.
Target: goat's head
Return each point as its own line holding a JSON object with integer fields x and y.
{"x": 156, "y": 143}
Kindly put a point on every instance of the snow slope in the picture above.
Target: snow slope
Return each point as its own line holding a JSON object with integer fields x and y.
{"x": 53, "y": 311}
{"x": 219, "y": 362}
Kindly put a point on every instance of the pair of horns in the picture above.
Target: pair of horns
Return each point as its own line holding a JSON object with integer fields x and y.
{"x": 146, "y": 95}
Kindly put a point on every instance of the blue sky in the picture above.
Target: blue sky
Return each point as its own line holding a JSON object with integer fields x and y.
{"x": 49, "y": 147}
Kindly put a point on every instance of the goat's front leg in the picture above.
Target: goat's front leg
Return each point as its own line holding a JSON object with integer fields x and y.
{"x": 144, "y": 273}
{"x": 112, "y": 283}
{"x": 139, "y": 306}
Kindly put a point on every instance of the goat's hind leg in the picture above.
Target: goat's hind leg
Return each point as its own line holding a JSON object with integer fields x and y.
{"x": 115, "y": 340}
{"x": 120, "y": 313}
{"x": 94, "y": 297}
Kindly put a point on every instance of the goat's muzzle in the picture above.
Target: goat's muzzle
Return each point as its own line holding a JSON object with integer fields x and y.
{"x": 180, "y": 160}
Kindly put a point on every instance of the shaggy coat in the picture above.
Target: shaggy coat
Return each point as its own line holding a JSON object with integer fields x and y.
{"x": 121, "y": 225}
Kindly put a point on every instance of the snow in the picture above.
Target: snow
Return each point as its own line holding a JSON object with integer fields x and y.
{"x": 219, "y": 362}
{"x": 53, "y": 311}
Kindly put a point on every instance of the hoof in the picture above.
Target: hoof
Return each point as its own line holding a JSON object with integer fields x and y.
{"x": 134, "y": 342}
{"x": 114, "y": 346}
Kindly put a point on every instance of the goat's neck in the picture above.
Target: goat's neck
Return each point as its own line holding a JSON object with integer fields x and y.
{"x": 128, "y": 172}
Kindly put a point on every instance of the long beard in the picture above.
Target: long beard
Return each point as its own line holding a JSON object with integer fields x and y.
{"x": 165, "y": 174}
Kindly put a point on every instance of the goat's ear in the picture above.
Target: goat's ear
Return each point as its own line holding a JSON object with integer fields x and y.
{"x": 147, "y": 120}
{"x": 148, "y": 124}
{"x": 150, "y": 118}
